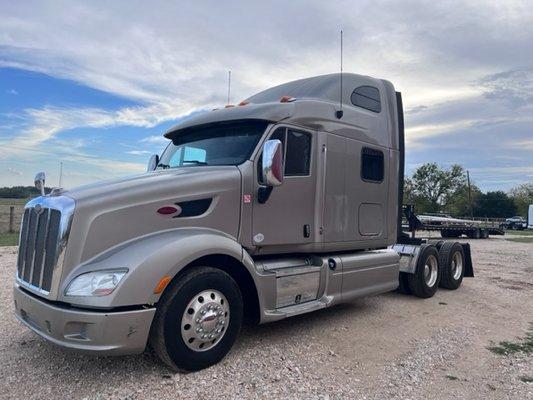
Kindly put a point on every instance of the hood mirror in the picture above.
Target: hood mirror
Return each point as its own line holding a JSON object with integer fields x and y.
{"x": 39, "y": 182}
{"x": 273, "y": 163}
{"x": 152, "y": 163}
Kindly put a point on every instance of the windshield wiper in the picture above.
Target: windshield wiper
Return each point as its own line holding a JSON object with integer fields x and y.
{"x": 194, "y": 162}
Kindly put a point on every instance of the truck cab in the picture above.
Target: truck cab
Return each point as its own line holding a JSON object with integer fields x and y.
{"x": 284, "y": 204}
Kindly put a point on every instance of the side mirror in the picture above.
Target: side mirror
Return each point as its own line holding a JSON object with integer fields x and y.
{"x": 272, "y": 163}
{"x": 39, "y": 182}
{"x": 152, "y": 163}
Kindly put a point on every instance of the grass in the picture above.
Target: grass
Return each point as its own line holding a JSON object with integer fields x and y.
{"x": 521, "y": 239}
{"x": 452, "y": 378}
{"x": 13, "y": 202}
{"x": 505, "y": 348}
{"x": 9, "y": 239}
{"x": 526, "y": 379}
{"x": 528, "y": 232}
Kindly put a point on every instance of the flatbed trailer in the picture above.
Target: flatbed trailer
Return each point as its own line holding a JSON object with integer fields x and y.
{"x": 451, "y": 227}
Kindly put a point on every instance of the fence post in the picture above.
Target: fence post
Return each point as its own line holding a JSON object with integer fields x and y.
{"x": 11, "y": 218}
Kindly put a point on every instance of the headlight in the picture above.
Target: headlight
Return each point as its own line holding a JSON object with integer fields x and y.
{"x": 97, "y": 283}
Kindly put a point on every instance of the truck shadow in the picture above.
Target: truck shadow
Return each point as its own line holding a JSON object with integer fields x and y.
{"x": 87, "y": 370}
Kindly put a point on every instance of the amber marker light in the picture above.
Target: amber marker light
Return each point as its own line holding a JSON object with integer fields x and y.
{"x": 162, "y": 284}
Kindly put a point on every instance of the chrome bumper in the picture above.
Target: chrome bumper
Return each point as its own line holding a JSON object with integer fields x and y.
{"x": 94, "y": 332}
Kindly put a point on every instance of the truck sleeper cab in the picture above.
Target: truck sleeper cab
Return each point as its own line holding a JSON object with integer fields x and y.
{"x": 277, "y": 207}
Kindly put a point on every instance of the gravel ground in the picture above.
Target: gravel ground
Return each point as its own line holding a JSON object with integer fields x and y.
{"x": 389, "y": 346}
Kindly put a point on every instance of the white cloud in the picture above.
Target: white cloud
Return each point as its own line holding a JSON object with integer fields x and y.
{"x": 138, "y": 152}
{"x": 156, "y": 139}
{"x": 13, "y": 171}
{"x": 455, "y": 68}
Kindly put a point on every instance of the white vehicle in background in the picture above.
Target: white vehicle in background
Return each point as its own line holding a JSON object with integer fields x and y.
{"x": 530, "y": 217}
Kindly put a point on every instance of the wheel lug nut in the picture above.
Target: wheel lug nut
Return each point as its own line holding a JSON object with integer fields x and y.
{"x": 203, "y": 312}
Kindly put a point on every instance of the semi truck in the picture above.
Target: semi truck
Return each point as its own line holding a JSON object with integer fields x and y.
{"x": 284, "y": 204}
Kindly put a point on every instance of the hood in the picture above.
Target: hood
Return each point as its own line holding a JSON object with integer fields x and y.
{"x": 111, "y": 212}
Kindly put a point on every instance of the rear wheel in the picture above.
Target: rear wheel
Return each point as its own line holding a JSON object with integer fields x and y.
{"x": 449, "y": 233}
{"x": 452, "y": 264}
{"x": 198, "y": 320}
{"x": 425, "y": 281}
{"x": 437, "y": 243}
{"x": 474, "y": 234}
{"x": 484, "y": 234}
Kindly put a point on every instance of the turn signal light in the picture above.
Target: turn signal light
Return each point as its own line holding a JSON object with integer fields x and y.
{"x": 286, "y": 99}
{"x": 162, "y": 284}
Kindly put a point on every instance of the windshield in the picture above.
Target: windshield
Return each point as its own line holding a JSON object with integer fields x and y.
{"x": 221, "y": 144}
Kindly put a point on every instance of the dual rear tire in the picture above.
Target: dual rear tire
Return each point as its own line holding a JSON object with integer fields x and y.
{"x": 442, "y": 267}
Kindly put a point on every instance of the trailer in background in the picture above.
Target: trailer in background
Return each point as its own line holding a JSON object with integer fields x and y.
{"x": 451, "y": 227}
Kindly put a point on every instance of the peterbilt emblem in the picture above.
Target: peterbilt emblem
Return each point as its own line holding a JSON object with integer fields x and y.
{"x": 38, "y": 209}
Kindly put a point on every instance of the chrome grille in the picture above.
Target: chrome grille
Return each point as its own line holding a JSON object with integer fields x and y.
{"x": 39, "y": 246}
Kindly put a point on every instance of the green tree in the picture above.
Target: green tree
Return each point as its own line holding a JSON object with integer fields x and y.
{"x": 19, "y": 192}
{"x": 522, "y": 197}
{"x": 433, "y": 187}
{"x": 494, "y": 205}
{"x": 458, "y": 205}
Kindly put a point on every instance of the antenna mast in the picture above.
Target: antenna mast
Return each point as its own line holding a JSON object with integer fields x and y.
{"x": 60, "y": 172}
{"x": 229, "y": 85}
{"x": 340, "y": 113}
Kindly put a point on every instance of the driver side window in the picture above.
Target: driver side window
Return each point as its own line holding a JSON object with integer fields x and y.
{"x": 296, "y": 152}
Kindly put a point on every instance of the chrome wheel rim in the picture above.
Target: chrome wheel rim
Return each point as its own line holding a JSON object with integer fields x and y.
{"x": 205, "y": 320}
{"x": 457, "y": 265}
{"x": 431, "y": 270}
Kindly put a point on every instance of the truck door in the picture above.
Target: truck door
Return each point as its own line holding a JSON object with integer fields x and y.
{"x": 366, "y": 186}
{"x": 288, "y": 216}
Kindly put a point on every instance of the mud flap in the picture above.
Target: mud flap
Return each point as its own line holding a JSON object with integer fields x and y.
{"x": 469, "y": 268}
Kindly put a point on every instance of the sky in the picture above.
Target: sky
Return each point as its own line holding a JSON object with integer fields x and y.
{"x": 94, "y": 84}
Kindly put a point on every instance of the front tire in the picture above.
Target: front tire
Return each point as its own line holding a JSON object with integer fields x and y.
{"x": 425, "y": 281}
{"x": 198, "y": 319}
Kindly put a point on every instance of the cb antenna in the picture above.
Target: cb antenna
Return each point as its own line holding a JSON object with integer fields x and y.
{"x": 340, "y": 113}
{"x": 229, "y": 85}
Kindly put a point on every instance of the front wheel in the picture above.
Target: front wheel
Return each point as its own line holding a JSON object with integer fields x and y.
{"x": 198, "y": 320}
{"x": 425, "y": 281}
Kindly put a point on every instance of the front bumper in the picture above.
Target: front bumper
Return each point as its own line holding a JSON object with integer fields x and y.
{"x": 90, "y": 331}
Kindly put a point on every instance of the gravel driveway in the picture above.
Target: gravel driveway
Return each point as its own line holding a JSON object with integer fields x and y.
{"x": 389, "y": 346}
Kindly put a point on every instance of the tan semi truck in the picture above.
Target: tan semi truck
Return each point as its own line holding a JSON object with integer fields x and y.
{"x": 285, "y": 204}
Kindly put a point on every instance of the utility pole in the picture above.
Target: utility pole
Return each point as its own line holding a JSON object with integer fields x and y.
{"x": 60, "y": 172}
{"x": 469, "y": 195}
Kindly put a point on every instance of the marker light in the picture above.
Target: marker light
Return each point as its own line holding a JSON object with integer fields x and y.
{"x": 286, "y": 99}
{"x": 162, "y": 284}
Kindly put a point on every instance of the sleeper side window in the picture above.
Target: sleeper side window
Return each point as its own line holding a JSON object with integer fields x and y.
{"x": 372, "y": 165}
{"x": 367, "y": 97}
